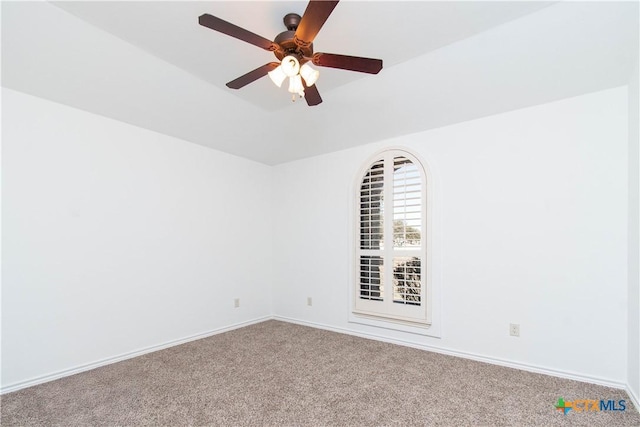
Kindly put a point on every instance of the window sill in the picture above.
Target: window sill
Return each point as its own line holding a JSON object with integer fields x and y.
{"x": 413, "y": 327}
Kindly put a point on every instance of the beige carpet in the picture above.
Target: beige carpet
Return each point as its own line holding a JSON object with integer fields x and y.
{"x": 275, "y": 373}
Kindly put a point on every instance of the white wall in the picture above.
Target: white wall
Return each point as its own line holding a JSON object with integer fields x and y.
{"x": 634, "y": 237}
{"x": 117, "y": 239}
{"x": 534, "y": 231}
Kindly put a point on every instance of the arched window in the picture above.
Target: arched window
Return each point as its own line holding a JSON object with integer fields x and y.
{"x": 391, "y": 243}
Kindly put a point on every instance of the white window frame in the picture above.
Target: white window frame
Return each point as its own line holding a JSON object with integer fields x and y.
{"x": 423, "y": 319}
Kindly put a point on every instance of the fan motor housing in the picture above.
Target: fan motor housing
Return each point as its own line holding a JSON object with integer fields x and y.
{"x": 286, "y": 39}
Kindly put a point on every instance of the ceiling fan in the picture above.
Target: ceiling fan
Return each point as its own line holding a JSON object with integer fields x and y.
{"x": 294, "y": 49}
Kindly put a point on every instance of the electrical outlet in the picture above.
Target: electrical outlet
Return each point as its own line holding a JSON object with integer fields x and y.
{"x": 236, "y": 302}
{"x": 309, "y": 301}
{"x": 514, "y": 330}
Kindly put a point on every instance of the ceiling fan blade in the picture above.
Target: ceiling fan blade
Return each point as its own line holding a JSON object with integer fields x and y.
{"x": 252, "y": 76}
{"x": 345, "y": 62}
{"x": 311, "y": 94}
{"x": 312, "y": 20}
{"x": 232, "y": 30}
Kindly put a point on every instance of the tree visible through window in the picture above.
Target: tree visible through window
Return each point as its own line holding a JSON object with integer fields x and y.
{"x": 391, "y": 255}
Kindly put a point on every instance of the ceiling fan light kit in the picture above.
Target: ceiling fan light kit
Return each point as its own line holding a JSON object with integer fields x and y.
{"x": 277, "y": 76}
{"x": 290, "y": 67}
{"x": 294, "y": 50}
{"x": 309, "y": 74}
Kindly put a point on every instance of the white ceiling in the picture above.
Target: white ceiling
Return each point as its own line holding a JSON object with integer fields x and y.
{"x": 150, "y": 64}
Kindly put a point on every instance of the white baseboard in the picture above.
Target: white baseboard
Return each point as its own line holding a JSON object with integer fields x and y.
{"x": 495, "y": 361}
{"x": 109, "y": 360}
{"x": 471, "y": 356}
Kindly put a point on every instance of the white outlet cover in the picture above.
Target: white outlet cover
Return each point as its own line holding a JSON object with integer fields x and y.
{"x": 514, "y": 330}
